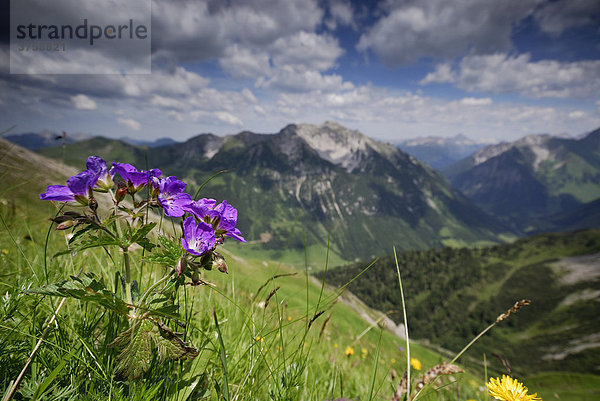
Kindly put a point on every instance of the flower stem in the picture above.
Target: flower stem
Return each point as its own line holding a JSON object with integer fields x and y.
{"x": 128, "y": 297}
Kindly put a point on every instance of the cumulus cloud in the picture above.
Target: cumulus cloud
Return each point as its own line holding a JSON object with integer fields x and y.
{"x": 341, "y": 14}
{"x": 414, "y": 29}
{"x": 557, "y": 16}
{"x": 130, "y": 123}
{"x": 203, "y": 29}
{"x": 473, "y": 101}
{"x": 229, "y": 118}
{"x": 576, "y": 114}
{"x": 502, "y": 73}
{"x": 82, "y": 102}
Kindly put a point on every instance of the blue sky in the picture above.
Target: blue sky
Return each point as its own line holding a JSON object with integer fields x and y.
{"x": 490, "y": 69}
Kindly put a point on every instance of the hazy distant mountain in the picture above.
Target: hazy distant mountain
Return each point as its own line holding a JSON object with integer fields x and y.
{"x": 536, "y": 176}
{"x": 315, "y": 180}
{"x": 44, "y": 139}
{"x": 151, "y": 144}
{"x": 440, "y": 152}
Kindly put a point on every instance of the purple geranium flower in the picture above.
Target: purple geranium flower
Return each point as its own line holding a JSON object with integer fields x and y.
{"x": 223, "y": 216}
{"x": 202, "y": 209}
{"x": 79, "y": 187}
{"x": 135, "y": 179}
{"x": 198, "y": 238}
{"x": 97, "y": 165}
{"x": 171, "y": 196}
{"x": 227, "y": 221}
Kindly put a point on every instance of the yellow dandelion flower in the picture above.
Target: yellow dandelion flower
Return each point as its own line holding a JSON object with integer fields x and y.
{"x": 289, "y": 318}
{"x": 261, "y": 339}
{"x": 335, "y": 345}
{"x": 349, "y": 351}
{"x": 415, "y": 363}
{"x": 5, "y": 252}
{"x": 393, "y": 360}
{"x": 509, "y": 389}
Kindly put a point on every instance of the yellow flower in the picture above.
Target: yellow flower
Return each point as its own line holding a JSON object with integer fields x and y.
{"x": 415, "y": 363}
{"x": 364, "y": 352}
{"x": 5, "y": 252}
{"x": 393, "y": 360}
{"x": 335, "y": 345}
{"x": 261, "y": 339}
{"x": 289, "y": 318}
{"x": 349, "y": 351}
{"x": 509, "y": 389}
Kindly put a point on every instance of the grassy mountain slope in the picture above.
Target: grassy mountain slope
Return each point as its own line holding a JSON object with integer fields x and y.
{"x": 451, "y": 291}
{"x": 531, "y": 178}
{"x": 265, "y": 359}
{"x": 73, "y": 362}
{"x": 295, "y": 187}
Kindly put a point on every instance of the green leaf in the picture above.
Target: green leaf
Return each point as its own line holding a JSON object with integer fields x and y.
{"x": 136, "y": 355}
{"x": 141, "y": 232}
{"x": 91, "y": 241}
{"x": 86, "y": 288}
{"x": 137, "y": 341}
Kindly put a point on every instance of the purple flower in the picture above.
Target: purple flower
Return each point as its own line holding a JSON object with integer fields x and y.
{"x": 135, "y": 179}
{"x": 59, "y": 193}
{"x": 227, "y": 221}
{"x": 171, "y": 196}
{"x": 97, "y": 165}
{"x": 198, "y": 238}
{"x": 79, "y": 187}
{"x": 202, "y": 209}
{"x": 223, "y": 216}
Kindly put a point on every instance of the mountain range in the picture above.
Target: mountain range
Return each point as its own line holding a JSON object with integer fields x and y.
{"x": 441, "y": 152}
{"x": 533, "y": 181}
{"x": 47, "y": 138}
{"x": 306, "y": 182}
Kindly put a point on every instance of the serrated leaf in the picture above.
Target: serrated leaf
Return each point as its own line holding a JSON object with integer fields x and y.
{"x": 134, "y": 358}
{"x": 79, "y": 233}
{"x": 137, "y": 341}
{"x": 141, "y": 232}
{"x": 86, "y": 288}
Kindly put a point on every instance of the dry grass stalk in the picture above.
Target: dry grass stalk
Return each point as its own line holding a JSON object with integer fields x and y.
{"x": 518, "y": 305}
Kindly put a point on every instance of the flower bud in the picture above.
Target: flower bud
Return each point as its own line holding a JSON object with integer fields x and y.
{"x": 93, "y": 203}
{"x": 219, "y": 262}
{"x": 181, "y": 266}
{"x": 66, "y": 224}
{"x": 121, "y": 192}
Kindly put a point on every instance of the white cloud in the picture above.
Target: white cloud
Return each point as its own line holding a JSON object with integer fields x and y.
{"x": 502, "y": 73}
{"x": 201, "y": 30}
{"x": 310, "y": 50}
{"x": 130, "y": 123}
{"x": 576, "y": 114}
{"x": 414, "y": 29}
{"x": 229, "y": 118}
{"x": 443, "y": 73}
{"x": 243, "y": 62}
{"x": 82, "y": 102}
{"x": 341, "y": 13}
{"x": 557, "y": 16}
{"x": 166, "y": 102}
{"x": 472, "y": 101}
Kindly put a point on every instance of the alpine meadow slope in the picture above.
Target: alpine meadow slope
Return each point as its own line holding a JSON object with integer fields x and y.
{"x": 296, "y": 187}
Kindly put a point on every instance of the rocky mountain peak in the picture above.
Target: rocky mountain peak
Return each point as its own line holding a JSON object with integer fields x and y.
{"x": 337, "y": 144}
